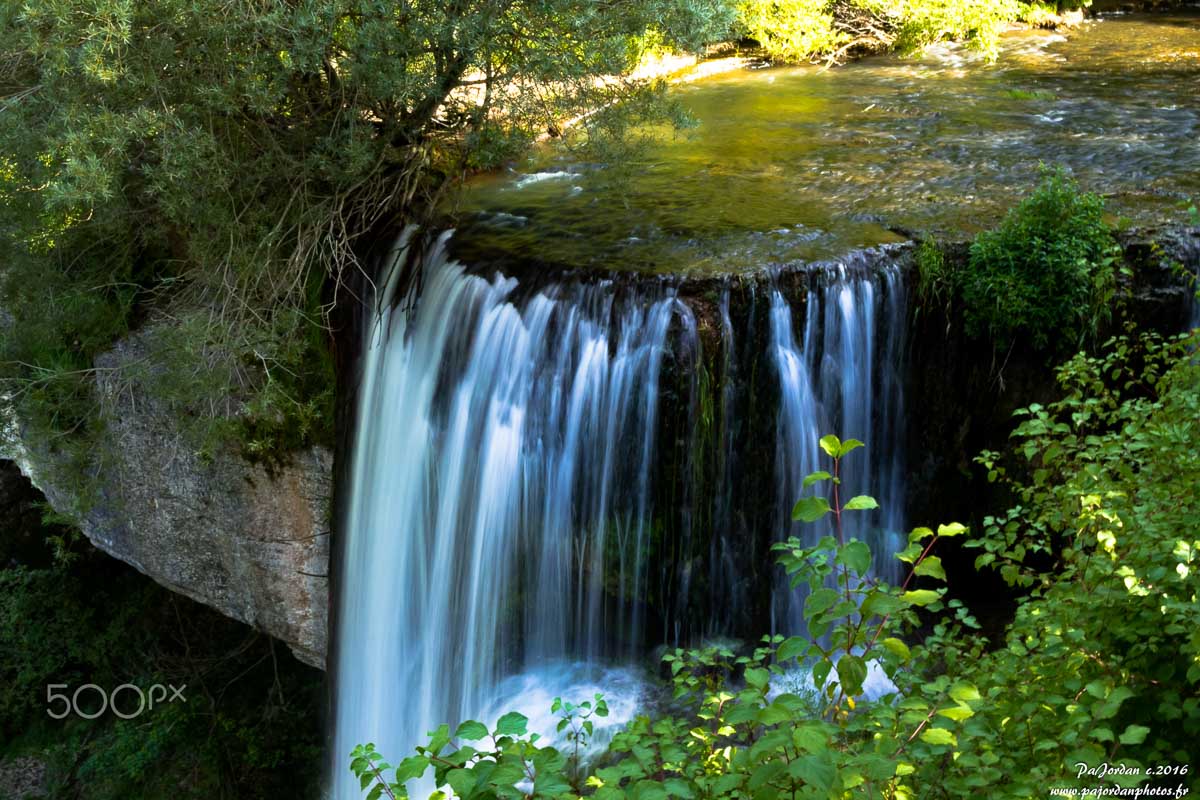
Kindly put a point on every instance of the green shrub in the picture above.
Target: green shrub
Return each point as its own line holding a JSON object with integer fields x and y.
{"x": 1100, "y": 665}
{"x": 790, "y": 30}
{"x": 800, "y": 30}
{"x": 1046, "y": 274}
{"x": 977, "y": 22}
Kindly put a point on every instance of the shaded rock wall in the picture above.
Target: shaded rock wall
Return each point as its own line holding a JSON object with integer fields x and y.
{"x": 249, "y": 541}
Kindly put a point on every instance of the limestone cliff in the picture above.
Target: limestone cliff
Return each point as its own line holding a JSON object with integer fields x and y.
{"x": 249, "y": 541}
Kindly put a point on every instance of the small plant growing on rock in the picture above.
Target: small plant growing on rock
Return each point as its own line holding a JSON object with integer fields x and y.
{"x": 1046, "y": 274}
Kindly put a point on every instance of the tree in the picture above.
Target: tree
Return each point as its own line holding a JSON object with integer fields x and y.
{"x": 218, "y": 161}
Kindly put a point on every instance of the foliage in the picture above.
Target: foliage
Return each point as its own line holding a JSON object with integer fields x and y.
{"x": 802, "y": 30}
{"x": 732, "y": 732}
{"x": 1100, "y": 664}
{"x": 791, "y": 30}
{"x": 1102, "y": 661}
{"x": 1046, "y": 272}
{"x": 249, "y": 727}
{"x": 933, "y": 277}
{"x": 221, "y": 167}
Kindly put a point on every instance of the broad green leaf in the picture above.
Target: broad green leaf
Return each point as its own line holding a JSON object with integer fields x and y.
{"x": 918, "y": 534}
{"x": 953, "y": 529}
{"x": 677, "y": 787}
{"x": 794, "y": 647}
{"x": 411, "y": 768}
{"x": 810, "y": 509}
{"x": 471, "y": 731}
{"x": 758, "y": 678}
{"x": 820, "y": 672}
{"x": 964, "y": 692}
{"x": 931, "y": 566}
{"x": 897, "y": 647}
{"x": 850, "y": 445}
{"x": 512, "y": 724}
{"x": 852, "y": 671}
{"x": 807, "y": 736}
{"x": 861, "y": 503}
{"x": 938, "y": 736}
{"x": 832, "y": 445}
{"x": 821, "y": 600}
{"x": 881, "y": 603}
{"x": 820, "y": 475}
{"x": 921, "y": 597}
{"x": 1134, "y": 734}
{"x": 816, "y": 770}
{"x": 856, "y": 555}
{"x": 957, "y": 713}
{"x": 461, "y": 781}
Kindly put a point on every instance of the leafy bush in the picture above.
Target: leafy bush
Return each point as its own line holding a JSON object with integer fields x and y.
{"x": 791, "y": 30}
{"x": 245, "y": 182}
{"x": 1101, "y": 663}
{"x": 1046, "y": 273}
{"x": 800, "y": 30}
{"x": 979, "y": 23}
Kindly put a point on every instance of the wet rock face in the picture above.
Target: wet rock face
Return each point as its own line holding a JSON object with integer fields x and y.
{"x": 251, "y": 542}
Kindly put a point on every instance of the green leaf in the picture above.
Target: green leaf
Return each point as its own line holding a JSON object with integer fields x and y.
{"x": 850, "y": 445}
{"x": 512, "y": 724}
{"x": 931, "y": 566}
{"x": 880, "y": 603}
{"x": 794, "y": 647}
{"x": 918, "y": 534}
{"x": 820, "y": 672}
{"x": 861, "y": 503}
{"x": 1134, "y": 734}
{"x": 957, "y": 712}
{"x": 832, "y": 445}
{"x": 852, "y": 671}
{"x": 758, "y": 678}
{"x": 921, "y": 597}
{"x": 856, "y": 555}
{"x": 964, "y": 692}
{"x": 820, "y": 475}
{"x": 471, "y": 731}
{"x": 810, "y": 509}
{"x": 911, "y": 553}
{"x": 897, "y": 648}
{"x": 939, "y": 736}
{"x": 953, "y": 529}
{"x": 677, "y": 787}
{"x": 461, "y": 781}
{"x": 816, "y": 770}
{"x": 820, "y": 600}
{"x": 439, "y": 739}
{"x": 411, "y": 768}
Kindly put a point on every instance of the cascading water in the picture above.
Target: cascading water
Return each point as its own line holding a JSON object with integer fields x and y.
{"x": 844, "y": 377}
{"x": 546, "y": 480}
{"x": 501, "y": 476}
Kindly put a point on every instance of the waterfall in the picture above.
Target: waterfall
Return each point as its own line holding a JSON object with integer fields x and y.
{"x": 844, "y": 377}
{"x": 550, "y": 476}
